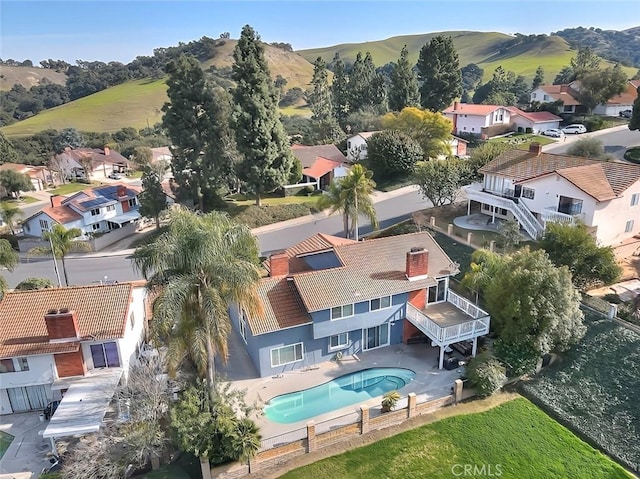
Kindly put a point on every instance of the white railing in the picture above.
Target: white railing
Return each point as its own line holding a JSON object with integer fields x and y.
{"x": 549, "y": 214}
{"x": 528, "y": 220}
{"x": 424, "y": 324}
{"x": 463, "y": 304}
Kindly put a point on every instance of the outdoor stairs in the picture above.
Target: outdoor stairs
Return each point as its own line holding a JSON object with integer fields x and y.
{"x": 527, "y": 220}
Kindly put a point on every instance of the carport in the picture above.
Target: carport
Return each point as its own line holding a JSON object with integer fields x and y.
{"x": 83, "y": 405}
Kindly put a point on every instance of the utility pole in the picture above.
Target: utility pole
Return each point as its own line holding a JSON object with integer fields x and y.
{"x": 55, "y": 263}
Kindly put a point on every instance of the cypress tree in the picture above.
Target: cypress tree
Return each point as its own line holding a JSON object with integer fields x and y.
{"x": 439, "y": 72}
{"x": 340, "y": 92}
{"x": 404, "y": 84}
{"x": 326, "y": 128}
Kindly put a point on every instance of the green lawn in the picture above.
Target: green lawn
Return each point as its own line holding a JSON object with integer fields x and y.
{"x": 247, "y": 200}
{"x": 5, "y": 441}
{"x": 70, "y": 188}
{"x": 186, "y": 467}
{"x": 633, "y": 154}
{"x": 515, "y": 440}
{"x": 24, "y": 200}
{"x": 521, "y": 141}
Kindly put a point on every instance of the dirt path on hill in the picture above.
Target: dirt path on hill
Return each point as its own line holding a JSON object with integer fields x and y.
{"x": 463, "y": 408}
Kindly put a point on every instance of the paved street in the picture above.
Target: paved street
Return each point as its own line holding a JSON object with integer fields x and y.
{"x": 615, "y": 140}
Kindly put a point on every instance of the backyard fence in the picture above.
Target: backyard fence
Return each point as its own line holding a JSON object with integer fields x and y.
{"x": 279, "y": 449}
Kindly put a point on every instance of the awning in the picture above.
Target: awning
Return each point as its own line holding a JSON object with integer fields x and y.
{"x": 125, "y": 217}
{"x": 85, "y": 403}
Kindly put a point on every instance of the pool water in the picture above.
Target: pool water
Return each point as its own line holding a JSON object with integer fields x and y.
{"x": 349, "y": 389}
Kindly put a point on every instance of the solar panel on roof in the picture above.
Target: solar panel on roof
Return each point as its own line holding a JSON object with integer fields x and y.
{"x": 94, "y": 202}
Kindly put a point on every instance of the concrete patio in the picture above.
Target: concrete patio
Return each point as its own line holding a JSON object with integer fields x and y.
{"x": 29, "y": 452}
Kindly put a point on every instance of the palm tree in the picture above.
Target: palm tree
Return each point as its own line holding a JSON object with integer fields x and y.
{"x": 8, "y": 213}
{"x": 356, "y": 189}
{"x": 62, "y": 241}
{"x": 334, "y": 200}
{"x": 8, "y": 259}
{"x": 199, "y": 266}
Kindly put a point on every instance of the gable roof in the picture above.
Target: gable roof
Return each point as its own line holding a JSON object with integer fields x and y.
{"x": 471, "y": 109}
{"x": 600, "y": 180}
{"x": 567, "y": 93}
{"x": 101, "y": 309}
{"x": 61, "y": 214}
{"x": 534, "y": 117}
{"x": 283, "y": 307}
{"x": 308, "y": 155}
{"x": 561, "y": 92}
{"x": 365, "y": 135}
{"x": 321, "y": 167}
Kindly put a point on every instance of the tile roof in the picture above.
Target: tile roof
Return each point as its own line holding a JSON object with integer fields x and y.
{"x": 365, "y": 135}
{"x": 308, "y": 155}
{"x": 320, "y": 167}
{"x": 372, "y": 269}
{"x": 597, "y": 181}
{"x": 61, "y": 214}
{"x": 283, "y": 307}
{"x": 101, "y": 196}
{"x": 471, "y": 109}
{"x": 101, "y": 309}
{"x": 627, "y": 97}
{"x": 561, "y": 92}
{"x": 535, "y": 117}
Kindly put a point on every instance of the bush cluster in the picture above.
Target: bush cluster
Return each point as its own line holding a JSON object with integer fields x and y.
{"x": 256, "y": 216}
{"x": 486, "y": 374}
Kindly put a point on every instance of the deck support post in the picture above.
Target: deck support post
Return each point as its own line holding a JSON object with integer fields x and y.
{"x": 441, "y": 363}
{"x": 475, "y": 347}
{"x": 468, "y": 207}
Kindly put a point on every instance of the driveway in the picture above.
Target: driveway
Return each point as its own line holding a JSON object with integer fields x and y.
{"x": 28, "y": 451}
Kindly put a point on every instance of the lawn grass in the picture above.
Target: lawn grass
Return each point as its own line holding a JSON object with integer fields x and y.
{"x": 5, "y": 441}
{"x": 24, "y": 200}
{"x": 521, "y": 141}
{"x": 248, "y": 200}
{"x": 516, "y": 439}
{"x": 70, "y": 188}
{"x": 186, "y": 467}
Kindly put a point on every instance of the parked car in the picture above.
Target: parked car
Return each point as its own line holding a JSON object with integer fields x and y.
{"x": 626, "y": 113}
{"x": 554, "y": 133}
{"x": 114, "y": 175}
{"x": 574, "y": 129}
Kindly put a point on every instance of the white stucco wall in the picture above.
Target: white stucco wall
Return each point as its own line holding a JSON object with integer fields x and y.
{"x": 539, "y": 95}
{"x": 5, "y": 405}
{"x": 612, "y": 216}
{"x": 536, "y": 127}
{"x": 469, "y": 123}
{"x": 611, "y": 110}
{"x": 42, "y": 370}
{"x": 34, "y": 228}
{"x": 354, "y": 144}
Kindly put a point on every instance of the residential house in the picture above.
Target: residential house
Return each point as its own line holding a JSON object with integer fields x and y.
{"x": 161, "y": 153}
{"x": 458, "y": 146}
{"x": 568, "y": 94}
{"x": 38, "y": 175}
{"x": 327, "y": 297}
{"x": 69, "y": 344}
{"x": 94, "y": 210}
{"x": 357, "y": 146}
{"x": 88, "y": 163}
{"x": 320, "y": 164}
{"x": 535, "y": 188}
{"x": 492, "y": 120}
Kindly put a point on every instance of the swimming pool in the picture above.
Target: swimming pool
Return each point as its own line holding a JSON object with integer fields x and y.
{"x": 343, "y": 391}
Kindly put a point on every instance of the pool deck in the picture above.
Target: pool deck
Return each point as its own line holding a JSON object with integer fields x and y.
{"x": 429, "y": 383}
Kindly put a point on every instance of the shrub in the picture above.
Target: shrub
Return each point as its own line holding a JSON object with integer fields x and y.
{"x": 520, "y": 358}
{"x": 256, "y": 216}
{"x": 593, "y": 123}
{"x": 390, "y": 400}
{"x": 587, "y": 148}
{"x": 633, "y": 155}
{"x": 30, "y": 284}
{"x": 612, "y": 298}
{"x": 392, "y": 152}
{"x": 486, "y": 374}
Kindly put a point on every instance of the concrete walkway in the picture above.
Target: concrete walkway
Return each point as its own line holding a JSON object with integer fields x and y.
{"x": 28, "y": 452}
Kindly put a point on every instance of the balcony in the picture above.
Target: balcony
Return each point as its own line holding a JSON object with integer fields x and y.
{"x": 457, "y": 319}
{"x": 550, "y": 214}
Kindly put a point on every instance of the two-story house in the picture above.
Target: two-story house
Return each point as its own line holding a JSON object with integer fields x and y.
{"x": 94, "y": 210}
{"x": 535, "y": 188}
{"x": 87, "y": 163}
{"x": 327, "y": 297}
{"x": 69, "y": 344}
{"x": 357, "y": 146}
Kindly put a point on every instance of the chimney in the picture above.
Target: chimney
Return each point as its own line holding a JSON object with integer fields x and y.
{"x": 122, "y": 191}
{"x": 455, "y": 105}
{"x": 564, "y": 88}
{"x": 417, "y": 263}
{"x": 56, "y": 200}
{"x": 107, "y": 151}
{"x": 278, "y": 265}
{"x": 62, "y": 325}
{"x": 535, "y": 149}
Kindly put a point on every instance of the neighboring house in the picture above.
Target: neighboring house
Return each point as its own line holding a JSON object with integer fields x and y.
{"x": 536, "y": 188}
{"x": 73, "y": 163}
{"x": 458, "y": 146}
{"x": 70, "y": 344}
{"x": 94, "y": 210}
{"x": 568, "y": 94}
{"x": 320, "y": 164}
{"x": 161, "y": 153}
{"x": 491, "y": 120}
{"x": 327, "y": 297}
{"x": 39, "y": 175}
{"x": 357, "y": 146}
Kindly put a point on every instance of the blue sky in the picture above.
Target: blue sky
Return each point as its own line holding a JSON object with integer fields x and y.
{"x": 121, "y": 30}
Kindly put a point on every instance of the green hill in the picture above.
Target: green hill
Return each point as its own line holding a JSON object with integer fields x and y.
{"x": 28, "y": 76}
{"x": 486, "y": 49}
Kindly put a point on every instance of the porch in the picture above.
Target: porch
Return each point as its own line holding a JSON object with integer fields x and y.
{"x": 457, "y": 319}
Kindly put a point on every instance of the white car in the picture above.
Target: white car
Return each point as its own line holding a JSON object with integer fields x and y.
{"x": 115, "y": 175}
{"x": 574, "y": 129}
{"x": 554, "y": 133}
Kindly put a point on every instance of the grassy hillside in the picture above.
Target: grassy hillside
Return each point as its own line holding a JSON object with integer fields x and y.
{"x": 131, "y": 104}
{"x": 28, "y": 76}
{"x": 483, "y": 48}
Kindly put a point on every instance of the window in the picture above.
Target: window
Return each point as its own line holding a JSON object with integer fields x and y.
{"x": 628, "y": 227}
{"x": 436, "y": 294}
{"x": 105, "y": 355}
{"x": 528, "y": 193}
{"x": 95, "y": 212}
{"x": 6, "y": 366}
{"x": 342, "y": 311}
{"x": 286, "y": 355}
{"x": 533, "y": 95}
{"x": 132, "y": 202}
{"x": 567, "y": 108}
{"x": 380, "y": 303}
{"x": 44, "y": 225}
{"x": 634, "y": 199}
{"x": 338, "y": 341}
{"x": 95, "y": 226}
{"x": 376, "y": 337}
{"x": 348, "y": 145}
{"x": 111, "y": 208}
{"x": 24, "y": 364}
{"x": 546, "y": 97}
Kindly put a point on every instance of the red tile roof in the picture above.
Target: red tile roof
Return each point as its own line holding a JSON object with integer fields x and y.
{"x": 102, "y": 312}
{"x": 471, "y": 109}
{"x": 535, "y": 117}
{"x": 591, "y": 179}
{"x": 308, "y": 155}
{"x": 561, "y": 92}
{"x": 283, "y": 307}
{"x": 61, "y": 214}
{"x": 320, "y": 167}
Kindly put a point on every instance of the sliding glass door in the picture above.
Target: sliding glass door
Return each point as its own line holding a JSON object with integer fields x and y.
{"x": 376, "y": 337}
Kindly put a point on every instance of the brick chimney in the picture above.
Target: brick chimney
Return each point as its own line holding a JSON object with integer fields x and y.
{"x": 535, "y": 149}
{"x": 62, "y": 325}
{"x": 122, "y": 191}
{"x": 417, "y": 263}
{"x": 278, "y": 265}
{"x": 56, "y": 200}
{"x": 107, "y": 151}
{"x": 455, "y": 105}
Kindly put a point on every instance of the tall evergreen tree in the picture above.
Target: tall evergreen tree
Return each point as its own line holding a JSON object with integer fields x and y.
{"x": 340, "y": 92}
{"x": 261, "y": 138}
{"x": 365, "y": 87}
{"x": 325, "y": 126}
{"x": 439, "y": 72}
{"x": 538, "y": 79}
{"x": 7, "y": 151}
{"x": 153, "y": 200}
{"x": 196, "y": 118}
{"x": 404, "y": 84}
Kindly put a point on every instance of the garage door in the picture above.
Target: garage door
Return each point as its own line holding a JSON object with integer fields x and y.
{"x": 28, "y": 398}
